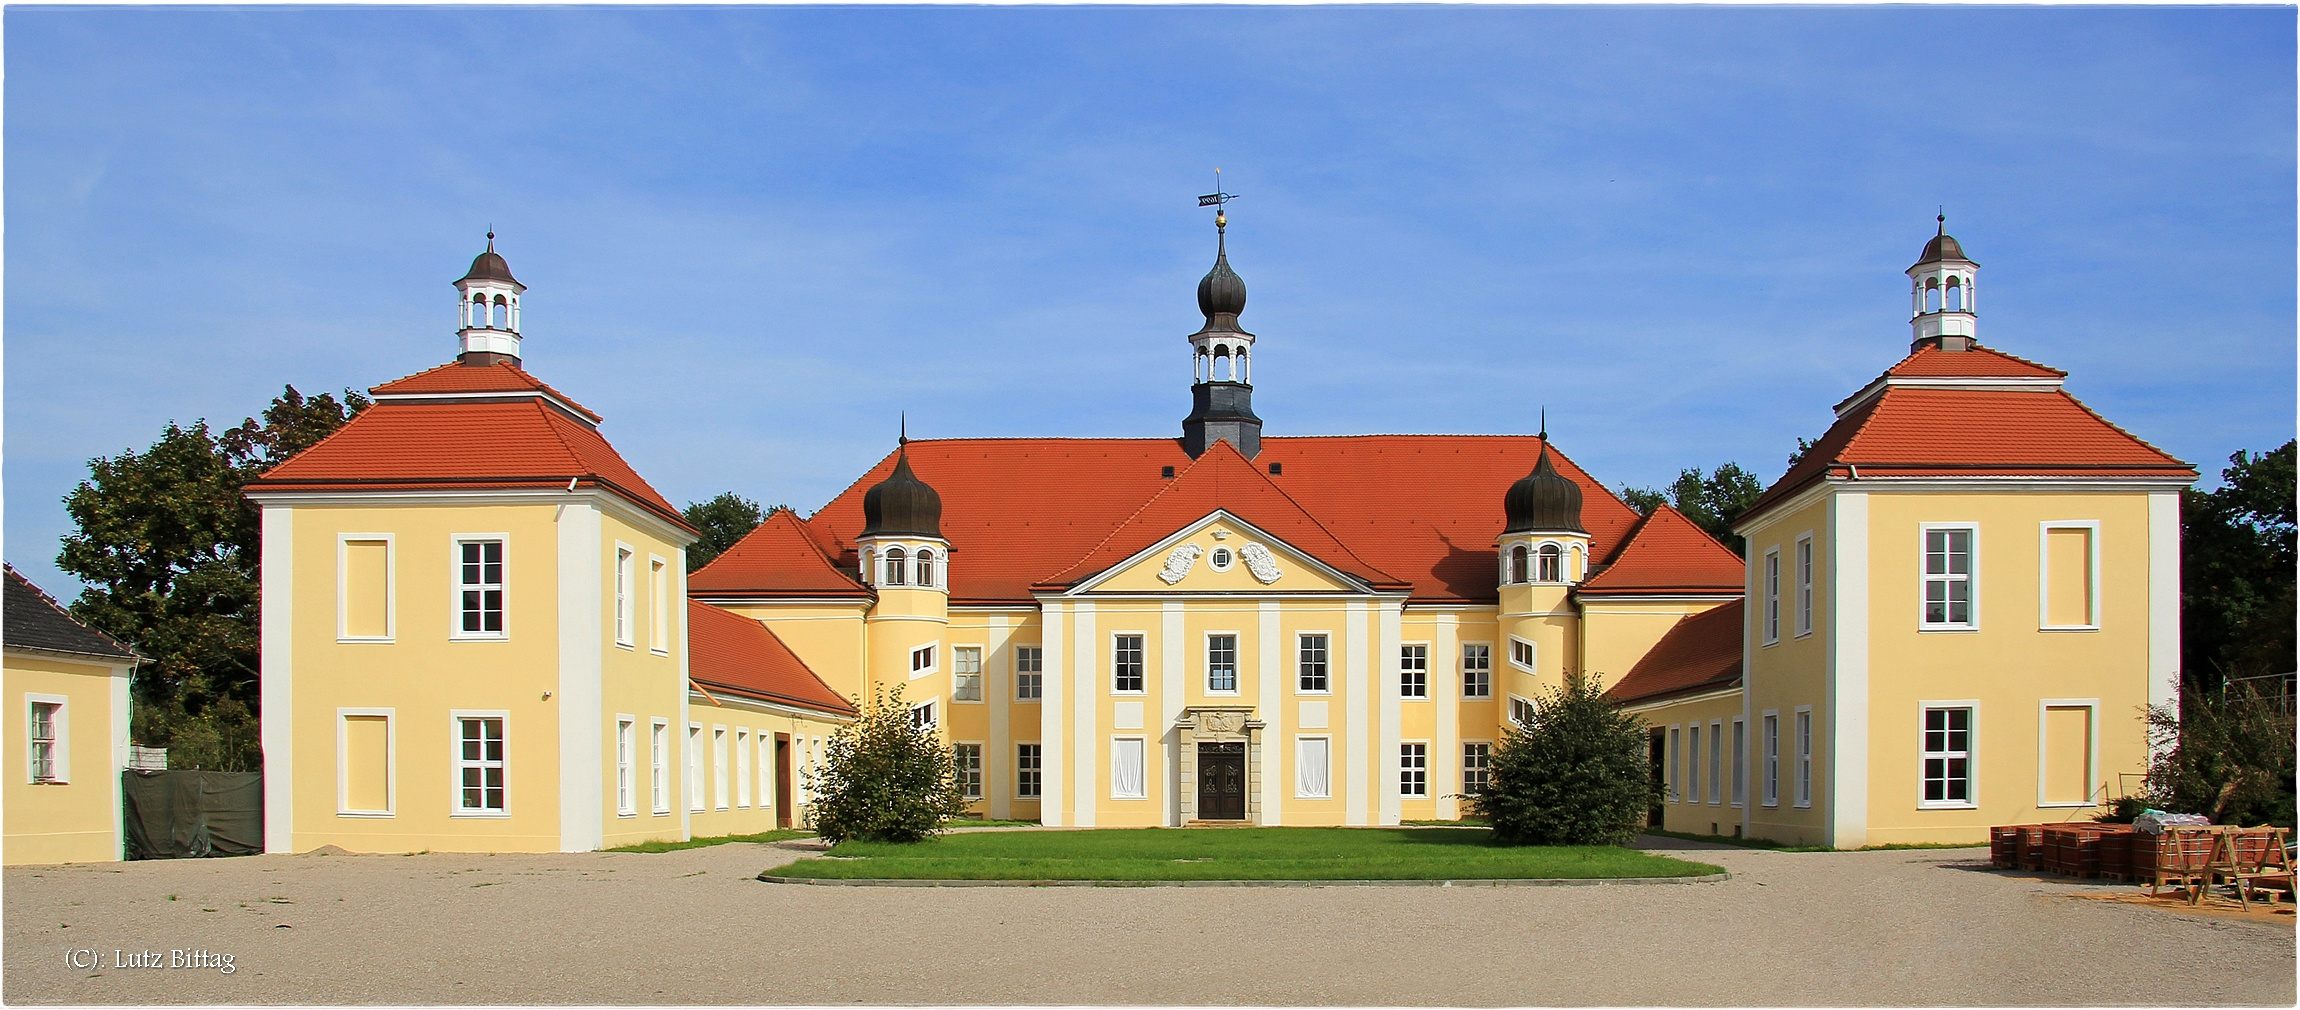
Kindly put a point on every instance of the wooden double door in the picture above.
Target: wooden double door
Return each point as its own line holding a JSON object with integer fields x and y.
{"x": 1222, "y": 781}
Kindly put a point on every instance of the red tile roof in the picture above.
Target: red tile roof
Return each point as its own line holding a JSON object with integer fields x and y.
{"x": 454, "y": 379}
{"x": 779, "y": 558}
{"x": 1424, "y": 509}
{"x": 1700, "y": 652}
{"x": 520, "y": 443}
{"x": 1979, "y": 362}
{"x": 1668, "y": 554}
{"x": 733, "y": 654}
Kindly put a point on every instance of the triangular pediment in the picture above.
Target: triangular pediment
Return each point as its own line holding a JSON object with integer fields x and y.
{"x": 1221, "y": 553}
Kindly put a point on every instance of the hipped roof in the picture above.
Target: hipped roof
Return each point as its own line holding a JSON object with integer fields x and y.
{"x": 730, "y": 653}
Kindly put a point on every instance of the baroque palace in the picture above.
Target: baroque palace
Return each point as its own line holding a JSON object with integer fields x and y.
{"x": 479, "y": 633}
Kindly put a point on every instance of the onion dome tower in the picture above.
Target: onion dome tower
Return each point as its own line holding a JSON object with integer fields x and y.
{"x": 901, "y": 542}
{"x": 1222, "y": 356}
{"x": 487, "y": 299}
{"x": 1941, "y": 294}
{"x": 1543, "y": 540}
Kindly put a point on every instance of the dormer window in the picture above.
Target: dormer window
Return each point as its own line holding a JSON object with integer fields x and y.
{"x": 894, "y": 566}
{"x": 925, "y": 567}
{"x": 1552, "y": 563}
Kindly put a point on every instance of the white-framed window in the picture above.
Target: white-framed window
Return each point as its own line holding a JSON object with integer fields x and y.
{"x": 695, "y": 767}
{"x": 626, "y": 767}
{"x": 1804, "y": 755}
{"x": 969, "y": 769}
{"x": 1520, "y": 568}
{"x": 1552, "y": 564}
{"x": 1476, "y": 767}
{"x": 1222, "y": 664}
{"x": 659, "y": 763}
{"x": 1716, "y": 761}
{"x": 922, "y": 715}
{"x": 1677, "y": 763}
{"x": 924, "y": 564}
{"x": 1522, "y": 654}
{"x": 2068, "y": 752}
{"x": 965, "y": 673}
{"x": 48, "y": 750}
{"x": 1220, "y": 559}
{"x": 1027, "y": 771}
{"x": 1950, "y": 600}
{"x": 1311, "y": 665}
{"x": 922, "y": 660}
{"x": 364, "y": 588}
{"x": 719, "y": 767}
{"x": 1414, "y": 672}
{"x": 897, "y": 565}
{"x": 479, "y": 587}
{"x": 1772, "y": 596}
{"x": 1477, "y": 670}
{"x": 1126, "y": 779}
{"x": 742, "y": 767}
{"x": 765, "y": 783}
{"x": 658, "y": 605}
{"x": 2068, "y": 575}
{"x": 364, "y": 764}
{"x": 1413, "y": 769}
{"x": 481, "y": 765}
{"x": 624, "y": 617}
{"x": 1313, "y": 768}
{"x": 1740, "y": 762}
{"x": 1947, "y": 755}
{"x": 1805, "y": 585}
{"x": 1029, "y": 673}
{"x": 1126, "y": 664}
{"x": 1769, "y": 737}
{"x": 1693, "y": 763}
{"x": 1523, "y": 711}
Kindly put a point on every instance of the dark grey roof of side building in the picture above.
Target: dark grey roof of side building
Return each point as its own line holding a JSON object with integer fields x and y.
{"x": 33, "y": 620}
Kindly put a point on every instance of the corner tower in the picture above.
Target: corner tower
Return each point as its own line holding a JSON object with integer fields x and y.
{"x": 487, "y": 299}
{"x": 1222, "y": 357}
{"x": 1941, "y": 294}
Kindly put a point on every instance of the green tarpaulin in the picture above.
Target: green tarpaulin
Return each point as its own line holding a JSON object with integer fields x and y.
{"x": 181, "y": 814}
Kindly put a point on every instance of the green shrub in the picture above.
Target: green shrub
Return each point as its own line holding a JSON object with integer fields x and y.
{"x": 1577, "y": 776}
{"x": 2226, "y": 756}
{"x": 883, "y": 779}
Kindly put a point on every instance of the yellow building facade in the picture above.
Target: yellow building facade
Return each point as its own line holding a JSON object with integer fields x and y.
{"x": 66, "y": 734}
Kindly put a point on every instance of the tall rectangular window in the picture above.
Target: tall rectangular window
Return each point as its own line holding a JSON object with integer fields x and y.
{"x": 626, "y": 773}
{"x": 1311, "y": 670}
{"x": 659, "y": 764}
{"x": 479, "y": 765}
{"x": 1716, "y": 762}
{"x": 742, "y": 766}
{"x": 2064, "y": 756}
{"x": 1029, "y": 673}
{"x": 1676, "y": 764}
{"x": 1126, "y": 664}
{"x": 46, "y": 758}
{"x": 1222, "y": 664}
{"x": 658, "y": 605}
{"x": 1126, "y": 781}
{"x": 1805, "y": 585}
{"x": 1313, "y": 778}
{"x": 719, "y": 766}
{"x": 1413, "y": 671}
{"x": 965, "y": 673}
{"x": 1948, "y": 757}
{"x": 365, "y": 589}
{"x": 1477, "y": 671}
{"x": 1693, "y": 763}
{"x": 1772, "y": 744}
{"x": 623, "y": 618}
{"x": 1740, "y": 762}
{"x": 2068, "y": 591}
{"x": 1948, "y": 578}
{"x": 1026, "y": 771}
{"x": 1772, "y": 596}
{"x": 1413, "y": 769}
{"x": 479, "y": 587}
{"x": 695, "y": 767}
{"x": 1805, "y": 758}
{"x": 366, "y": 763}
{"x": 1476, "y": 768}
{"x": 969, "y": 769}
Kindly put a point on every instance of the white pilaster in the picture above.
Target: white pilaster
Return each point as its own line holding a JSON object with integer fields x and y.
{"x": 121, "y": 714}
{"x": 1354, "y": 770}
{"x": 677, "y": 697}
{"x": 1445, "y": 693}
{"x": 1392, "y": 711}
{"x": 578, "y": 700}
{"x": 1277, "y": 748}
{"x": 1085, "y": 743}
{"x": 998, "y": 693}
{"x": 1847, "y": 693}
{"x": 1170, "y": 696}
{"x": 278, "y": 679}
{"x": 2164, "y": 599}
{"x": 1054, "y": 689}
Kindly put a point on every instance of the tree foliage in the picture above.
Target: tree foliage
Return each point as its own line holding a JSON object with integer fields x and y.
{"x": 1578, "y": 776}
{"x": 2237, "y": 603}
{"x": 1713, "y": 501}
{"x": 884, "y": 779}
{"x": 2228, "y": 756}
{"x": 723, "y": 521}
{"x": 171, "y": 554}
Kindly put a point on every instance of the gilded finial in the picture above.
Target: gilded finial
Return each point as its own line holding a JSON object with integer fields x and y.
{"x": 1217, "y": 199}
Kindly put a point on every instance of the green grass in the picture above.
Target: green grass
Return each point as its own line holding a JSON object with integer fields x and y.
{"x": 697, "y": 843}
{"x": 968, "y": 822}
{"x": 1767, "y": 843}
{"x": 1233, "y": 854}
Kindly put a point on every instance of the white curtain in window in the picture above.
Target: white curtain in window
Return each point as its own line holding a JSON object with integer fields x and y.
{"x": 1310, "y": 764}
{"x": 1126, "y": 769}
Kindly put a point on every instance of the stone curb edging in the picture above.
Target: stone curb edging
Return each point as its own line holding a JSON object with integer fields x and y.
{"x": 1490, "y": 882}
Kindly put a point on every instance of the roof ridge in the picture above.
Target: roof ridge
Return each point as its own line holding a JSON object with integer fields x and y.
{"x": 583, "y": 467}
{"x": 1136, "y": 514}
{"x": 2119, "y": 429}
{"x": 410, "y": 375}
{"x": 2032, "y": 364}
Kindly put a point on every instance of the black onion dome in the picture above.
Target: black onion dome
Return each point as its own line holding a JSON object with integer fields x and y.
{"x": 902, "y": 505}
{"x": 1543, "y": 501}
{"x": 1221, "y": 292}
{"x": 490, "y": 266}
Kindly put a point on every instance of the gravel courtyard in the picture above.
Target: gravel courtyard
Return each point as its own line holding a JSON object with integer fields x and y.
{"x": 1906, "y": 927}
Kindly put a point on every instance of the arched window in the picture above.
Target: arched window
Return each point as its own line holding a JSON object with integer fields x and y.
{"x": 925, "y": 567}
{"x": 1932, "y": 296}
{"x": 894, "y": 560}
{"x": 1517, "y": 563}
{"x": 479, "y": 312}
{"x": 1955, "y": 299}
{"x": 502, "y": 313}
{"x": 1552, "y": 564}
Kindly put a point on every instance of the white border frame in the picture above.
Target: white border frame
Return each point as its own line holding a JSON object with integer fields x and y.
{"x": 626, "y": 581}
{"x": 455, "y": 632}
{"x": 1532, "y": 647}
{"x": 2044, "y": 573}
{"x": 981, "y": 767}
{"x": 1769, "y": 764}
{"x": 1972, "y": 800}
{"x": 981, "y": 689}
{"x": 343, "y": 542}
{"x": 1807, "y": 754}
{"x": 1737, "y": 790}
{"x": 1461, "y": 670}
{"x": 1237, "y": 663}
{"x": 627, "y": 719}
{"x": 2092, "y": 748}
{"x": 933, "y": 660}
{"x": 1972, "y": 577}
{"x": 1142, "y": 743}
{"x": 1111, "y": 683}
{"x": 1717, "y": 753}
{"x": 661, "y": 804}
{"x": 1807, "y": 562}
{"x": 1427, "y": 693}
{"x": 1017, "y": 746}
{"x": 1014, "y": 679}
{"x": 60, "y": 762}
{"x": 455, "y": 719}
{"x": 1769, "y": 588}
{"x": 659, "y": 602}
{"x": 1294, "y": 673}
{"x": 1509, "y": 708}
{"x": 1461, "y": 767}
{"x": 1429, "y": 792}
{"x": 1299, "y": 739}
{"x": 343, "y": 807}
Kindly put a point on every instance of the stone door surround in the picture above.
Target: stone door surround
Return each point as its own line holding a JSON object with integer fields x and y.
{"x": 1218, "y": 724}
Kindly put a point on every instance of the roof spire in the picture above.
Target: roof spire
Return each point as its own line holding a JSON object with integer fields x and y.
{"x": 1545, "y": 426}
{"x": 902, "y": 431}
{"x": 1941, "y": 219}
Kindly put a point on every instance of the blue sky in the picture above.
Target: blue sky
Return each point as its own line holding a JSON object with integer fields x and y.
{"x": 751, "y": 236}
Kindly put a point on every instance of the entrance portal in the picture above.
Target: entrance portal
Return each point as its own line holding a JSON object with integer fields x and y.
{"x": 1222, "y": 781}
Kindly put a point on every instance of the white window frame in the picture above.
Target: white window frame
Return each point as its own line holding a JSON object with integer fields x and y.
{"x": 456, "y": 764}
{"x": 1531, "y": 709}
{"x": 1677, "y": 762}
{"x": 1142, "y": 640}
{"x": 1465, "y": 765}
{"x": 1739, "y": 797}
{"x": 1803, "y": 728}
{"x": 626, "y": 765}
{"x": 980, "y": 782}
{"x": 455, "y": 587}
{"x": 2044, "y": 707}
{"x": 1236, "y": 681}
{"x": 658, "y": 605}
{"x": 1532, "y": 650}
{"x": 60, "y": 745}
{"x": 1301, "y": 747}
{"x": 1716, "y": 761}
{"x": 1770, "y": 740}
{"x": 958, "y": 674}
{"x": 1771, "y": 574}
{"x": 1972, "y": 575}
{"x": 932, "y": 663}
{"x": 742, "y": 767}
{"x": 1693, "y": 762}
{"x": 1040, "y": 770}
{"x": 696, "y": 798}
{"x": 1424, "y": 693}
{"x": 1407, "y": 769}
{"x": 1326, "y": 640}
{"x": 343, "y": 717}
{"x": 659, "y": 761}
{"x": 343, "y": 542}
{"x": 1040, "y": 694}
{"x": 1971, "y": 754}
{"x": 931, "y": 720}
{"x": 718, "y": 767}
{"x": 1487, "y": 695}
{"x": 1806, "y": 564}
{"x": 626, "y": 611}
{"x": 1141, "y": 748}
{"x": 2044, "y": 574}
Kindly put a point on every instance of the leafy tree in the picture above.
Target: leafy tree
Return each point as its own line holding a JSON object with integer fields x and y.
{"x": 1713, "y": 502}
{"x": 723, "y": 521}
{"x": 1643, "y": 499}
{"x": 2237, "y": 602}
{"x": 1577, "y": 776}
{"x": 885, "y": 779}
{"x": 1804, "y": 445}
{"x": 171, "y": 554}
{"x": 2228, "y": 756}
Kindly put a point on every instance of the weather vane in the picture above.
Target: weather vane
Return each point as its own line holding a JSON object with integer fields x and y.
{"x": 1217, "y": 199}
